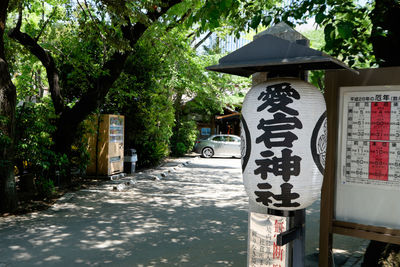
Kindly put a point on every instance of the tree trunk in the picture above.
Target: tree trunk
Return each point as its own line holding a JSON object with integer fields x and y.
{"x": 8, "y": 196}
{"x": 178, "y": 109}
{"x": 175, "y": 138}
{"x": 71, "y": 118}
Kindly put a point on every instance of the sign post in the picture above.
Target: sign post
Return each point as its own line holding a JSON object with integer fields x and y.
{"x": 361, "y": 184}
{"x": 263, "y": 246}
{"x": 283, "y": 141}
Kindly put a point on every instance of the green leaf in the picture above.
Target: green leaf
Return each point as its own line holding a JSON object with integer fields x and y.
{"x": 320, "y": 17}
{"x": 255, "y": 21}
{"x": 345, "y": 29}
{"x": 225, "y": 4}
{"x": 267, "y": 20}
{"x": 330, "y": 37}
{"x": 329, "y": 31}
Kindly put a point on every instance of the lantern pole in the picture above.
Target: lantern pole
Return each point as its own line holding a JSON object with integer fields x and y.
{"x": 296, "y": 233}
{"x": 299, "y": 244}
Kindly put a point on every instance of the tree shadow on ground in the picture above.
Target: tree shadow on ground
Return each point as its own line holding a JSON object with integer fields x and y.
{"x": 176, "y": 222}
{"x": 196, "y": 216}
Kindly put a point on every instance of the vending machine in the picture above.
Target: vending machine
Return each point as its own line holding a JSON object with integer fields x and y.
{"x": 106, "y": 145}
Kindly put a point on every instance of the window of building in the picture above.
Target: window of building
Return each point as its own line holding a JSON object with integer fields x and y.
{"x": 205, "y": 131}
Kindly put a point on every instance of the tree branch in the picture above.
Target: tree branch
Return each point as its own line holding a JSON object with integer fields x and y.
{"x": 112, "y": 69}
{"x": 179, "y": 21}
{"x": 45, "y": 58}
{"x": 83, "y": 10}
{"x": 133, "y": 32}
{"x": 94, "y": 20}
{"x": 19, "y": 21}
{"x": 190, "y": 35}
{"x": 95, "y": 95}
{"x": 202, "y": 40}
{"x": 45, "y": 24}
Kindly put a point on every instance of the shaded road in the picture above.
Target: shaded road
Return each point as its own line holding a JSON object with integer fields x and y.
{"x": 196, "y": 216}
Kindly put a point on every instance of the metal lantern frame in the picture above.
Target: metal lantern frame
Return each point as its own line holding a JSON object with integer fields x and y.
{"x": 271, "y": 54}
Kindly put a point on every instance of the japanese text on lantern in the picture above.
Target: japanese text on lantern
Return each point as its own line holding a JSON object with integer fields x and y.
{"x": 277, "y": 134}
{"x": 371, "y": 142}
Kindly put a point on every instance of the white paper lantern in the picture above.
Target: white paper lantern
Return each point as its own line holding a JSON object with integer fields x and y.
{"x": 283, "y": 140}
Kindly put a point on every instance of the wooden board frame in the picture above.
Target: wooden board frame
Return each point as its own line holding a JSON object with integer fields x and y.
{"x": 328, "y": 225}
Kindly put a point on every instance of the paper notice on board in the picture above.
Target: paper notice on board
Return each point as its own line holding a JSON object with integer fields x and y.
{"x": 262, "y": 248}
{"x": 371, "y": 139}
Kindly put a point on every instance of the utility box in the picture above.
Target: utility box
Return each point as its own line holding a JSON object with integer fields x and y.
{"x": 106, "y": 145}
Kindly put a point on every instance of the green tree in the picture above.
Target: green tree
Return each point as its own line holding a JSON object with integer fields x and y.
{"x": 361, "y": 35}
{"x": 385, "y": 33}
{"x": 171, "y": 72}
{"x": 139, "y": 94}
{"x": 80, "y": 74}
{"x": 83, "y": 46}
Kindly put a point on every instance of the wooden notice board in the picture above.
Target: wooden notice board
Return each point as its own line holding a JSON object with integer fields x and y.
{"x": 348, "y": 185}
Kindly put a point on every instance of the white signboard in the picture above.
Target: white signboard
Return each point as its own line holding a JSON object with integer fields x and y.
{"x": 371, "y": 139}
{"x": 368, "y": 181}
{"x": 262, "y": 248}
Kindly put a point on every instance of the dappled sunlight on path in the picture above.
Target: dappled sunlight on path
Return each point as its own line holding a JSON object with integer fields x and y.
{"x": 197, "y": 214}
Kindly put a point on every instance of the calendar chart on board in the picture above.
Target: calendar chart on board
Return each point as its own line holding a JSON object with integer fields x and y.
{"x": 370, "y": 141}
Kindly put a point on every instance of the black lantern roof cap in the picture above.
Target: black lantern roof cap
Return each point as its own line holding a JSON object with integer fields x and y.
{"x": 269, "y": 53}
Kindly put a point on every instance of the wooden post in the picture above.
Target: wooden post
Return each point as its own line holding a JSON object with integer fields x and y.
{"x": 326, "y": 211}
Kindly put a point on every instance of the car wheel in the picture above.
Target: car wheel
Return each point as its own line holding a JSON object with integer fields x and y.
{"x": 207, "y": 152}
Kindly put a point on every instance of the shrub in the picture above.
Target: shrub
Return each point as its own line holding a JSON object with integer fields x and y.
{"x": 34, "y": 142}
{"x": 180, "y": 149}
{"x": 183, "y": 138}
{"x": 45, "y": 187}
{"x": 34, "y": 147}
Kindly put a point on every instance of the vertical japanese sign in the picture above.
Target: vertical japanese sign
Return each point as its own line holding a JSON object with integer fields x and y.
{"x": 281, "y": 130}
{"x": 371, "y": 139}
{"x": 262, "y": 248}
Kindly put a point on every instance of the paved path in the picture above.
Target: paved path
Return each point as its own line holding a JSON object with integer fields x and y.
{"x": 195, "y": 216}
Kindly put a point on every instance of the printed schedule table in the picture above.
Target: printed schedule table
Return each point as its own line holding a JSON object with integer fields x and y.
{"x": 371, "y": 138}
